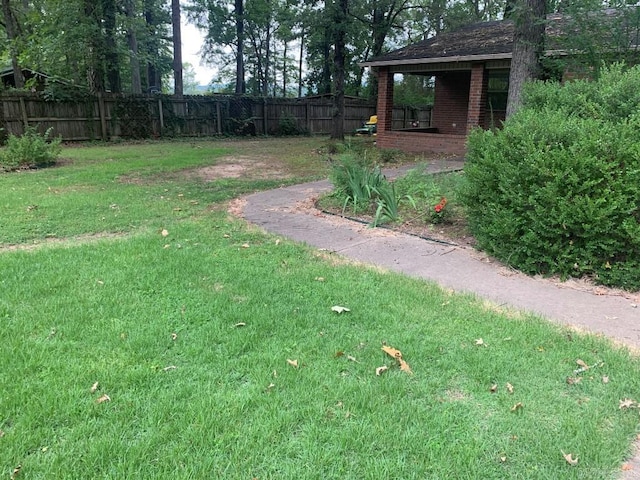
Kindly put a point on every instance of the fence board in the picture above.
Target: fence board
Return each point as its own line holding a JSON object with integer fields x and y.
{"x": 113, "y": 116}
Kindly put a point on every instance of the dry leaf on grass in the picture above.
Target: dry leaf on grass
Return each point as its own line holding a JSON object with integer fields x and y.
{"x": 293, "y": 363}
{"x": 381, "y": 370}
{"x": 569, "y": 458}
{"x": 392, "y": 352}
{"x": 509, "y": 388}
{"x": 339, "y": 353}
{"x": 626, "y": 403}
{"x": 582, "y": 364}
{"x": 1, "y": 433}
{"x": 480, "y": 342}
{"x": 605, "y": 379}
{"x": 165, "y": 232}
{"x": 174, "y": 336}
{"x": 517, "y": 406}
{"x": 494, "y": 388}
{"x": 16, "y": 472}
{"x": 339, "y": 309}
{"x": 404, "y": 366}
{"x": 245, "y": 245}
{"x": 94, "y": 387}
{"x": 573, "y": 380}
{"x": 353, "y": 359}
{"x": 240, "y": 324}
{"x": 103, "y": 398}
{"x": 170, "y": 367}
{"x": 627, "y": 467}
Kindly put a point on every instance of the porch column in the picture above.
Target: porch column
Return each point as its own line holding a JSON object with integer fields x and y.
{"x": 385, "y": 100}
{"x": 477, "y": 97}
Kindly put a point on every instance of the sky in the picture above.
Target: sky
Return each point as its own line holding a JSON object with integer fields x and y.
{"x": 192, "y": 41}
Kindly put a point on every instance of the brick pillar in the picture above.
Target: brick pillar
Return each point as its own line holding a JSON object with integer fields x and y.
{"x": 477, "y": 97}
{"x": 385, "y": 100}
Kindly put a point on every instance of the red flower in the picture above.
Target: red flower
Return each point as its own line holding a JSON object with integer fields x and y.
{"x": 438, "y": 208}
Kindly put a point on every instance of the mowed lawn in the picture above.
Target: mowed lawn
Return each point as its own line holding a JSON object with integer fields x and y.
{"x": 146, "y": 333}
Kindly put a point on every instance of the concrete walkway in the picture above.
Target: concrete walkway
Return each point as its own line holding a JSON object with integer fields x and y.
{"x": 288, "y": 212}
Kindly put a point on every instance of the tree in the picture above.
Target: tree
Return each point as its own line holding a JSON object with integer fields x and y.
{"x": 177, "y": 48}
{"x": 10, "y": 23}
{"x": 340, "y": 16}
{"x": 528, "y": 45}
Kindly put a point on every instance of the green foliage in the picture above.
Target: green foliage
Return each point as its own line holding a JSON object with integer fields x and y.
{"x": 287, "y": 125}
{"x": 556, "y": 191}
{"x": 356, "y": 181}
{"x": 30, "y": 150}
{"x": 388, "y": 203}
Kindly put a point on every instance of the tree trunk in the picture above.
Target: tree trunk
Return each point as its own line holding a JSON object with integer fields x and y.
{"x": 300, "y": 63}
{"x": 110, "y": 47}
{"x": 241, "y": 86}
{"x": 528, "y": 44}
{"x": 11, "y": 27}
{"x": 338, "y": 73}
{"x": 132, "y": 40}
{"x": 152, "y": 48}
{"x": 95, "y": 47}
{"x": 177, "y": 48}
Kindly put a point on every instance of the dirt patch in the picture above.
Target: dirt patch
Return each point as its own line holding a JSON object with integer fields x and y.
{"x": 242, "y": 167}
{"x": 56, "y": 242}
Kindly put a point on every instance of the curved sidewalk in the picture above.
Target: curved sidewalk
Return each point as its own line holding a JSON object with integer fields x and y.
{"x": 286, "y": 212}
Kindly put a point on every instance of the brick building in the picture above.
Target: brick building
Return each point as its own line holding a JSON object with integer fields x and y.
{"x": 471, "y": 71}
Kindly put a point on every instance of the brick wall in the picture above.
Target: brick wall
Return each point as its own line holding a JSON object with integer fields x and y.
{"x": 415, "y": 142}
{"x": 477, "y": 97}
{"x": 385, "y": 100}
{"x": 451, "y": 104}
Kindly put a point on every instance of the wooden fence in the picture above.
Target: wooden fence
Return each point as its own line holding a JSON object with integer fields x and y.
{"x": 104, "y": 117}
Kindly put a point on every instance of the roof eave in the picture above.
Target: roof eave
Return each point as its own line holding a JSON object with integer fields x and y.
{"x": 423, "y": 61}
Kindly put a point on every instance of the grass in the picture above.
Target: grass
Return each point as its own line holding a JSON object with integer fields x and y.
{"x": 189, "y": 335}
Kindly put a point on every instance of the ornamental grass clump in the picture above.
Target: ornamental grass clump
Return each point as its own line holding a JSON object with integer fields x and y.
{"x": 557, "y": 190}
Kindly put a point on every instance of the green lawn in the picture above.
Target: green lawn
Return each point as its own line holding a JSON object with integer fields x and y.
{"x": 193, "y": 334}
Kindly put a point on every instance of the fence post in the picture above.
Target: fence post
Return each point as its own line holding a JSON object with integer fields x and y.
{"x": 265, "y": 120}
{"x": 23, "y": 111}
{"x": 218, "y": 118}
{"x": 102, "y": 111}
{"x": 160, "y": 115}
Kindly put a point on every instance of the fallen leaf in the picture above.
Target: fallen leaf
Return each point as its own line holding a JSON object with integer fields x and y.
{"x": 517, "y": 407}
{"x": 277, "y": 241}
{"x": 174, "y": 336}
{"x": 240, "y": 324}
{"x": 293, "y": 363}
{"x": 391, "y": 351}
{"x": 319, "y": 279}
{"x": 404, "y": 366}
{"x": 339, "y": 309}
{"x": 103, "y": 398}
{"x": 245, "y": 245}
{"x": 626, "y": 403}
{"x": 353, "y": 359}
{"x": 275, "y": 374}
{"x": 605, "y": 379}
{"x": 479, "y": 342}
{"x": 170, "y": 367}
{"x": 1, "y": 433}
{"x": 541, "y": 348}
{"x": 582, "y": 364}
{"x": 503, "y": 459}
{"x": 627, "y": 467}
{"x": 381, "y": 370}
{"x": 509, "y": 388}
{"x": 339, "y": 353}
{"x": 165, "y": 232}
{"x": 569, "y": 458}
{"x": 573, "y": 380}
{"x": 94, "y": 387}
{"x": 226, "y": 235}
{"x": 494, "y": 388}
{"x": 16, "y": 471}
{"x": 44, "y": 449}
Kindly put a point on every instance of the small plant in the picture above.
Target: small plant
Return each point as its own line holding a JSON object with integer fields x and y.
{"x": 356, "y": 181}
{"x": 31, "y": 150}
{"x": 439, "y": 211}
{"x": 388, "y": 204}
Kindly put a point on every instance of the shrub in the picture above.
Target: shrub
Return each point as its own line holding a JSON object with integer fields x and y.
{"x": 355, "y": 181}
{"x": 31, "y": 150}
{"x": 556, "y": 191}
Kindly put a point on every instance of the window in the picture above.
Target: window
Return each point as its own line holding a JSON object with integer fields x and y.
{"x": 497, "y": 90}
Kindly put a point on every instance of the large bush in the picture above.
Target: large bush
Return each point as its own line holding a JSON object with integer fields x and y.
{"x": 30, "y": 150}
{"x": 557, "y": 190}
